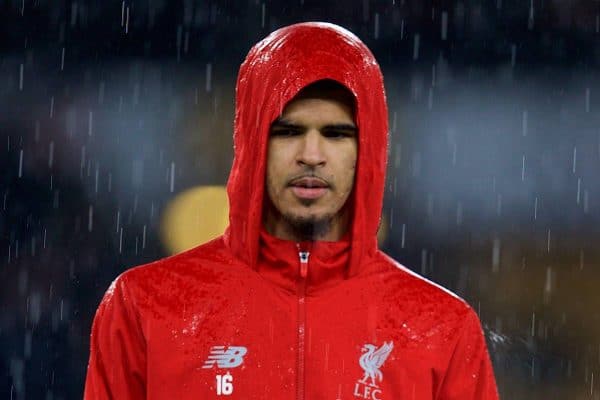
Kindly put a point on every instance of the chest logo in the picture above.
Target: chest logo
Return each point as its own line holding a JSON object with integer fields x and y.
{"x": 370, "y": 361}
{"x": 225, "y": 356}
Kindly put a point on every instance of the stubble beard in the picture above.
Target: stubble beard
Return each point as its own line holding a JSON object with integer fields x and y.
{"x": 309, "y": 227}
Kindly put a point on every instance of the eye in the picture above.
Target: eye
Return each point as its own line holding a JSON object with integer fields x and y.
{"x": 338, "y": 134}
{"x": 284, "y": 132}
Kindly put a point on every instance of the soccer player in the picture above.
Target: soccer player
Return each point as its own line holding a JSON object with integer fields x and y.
{"x": 295, "y": 300}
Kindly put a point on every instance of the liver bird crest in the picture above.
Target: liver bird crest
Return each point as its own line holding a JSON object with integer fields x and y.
{"x": 372, "y": 359}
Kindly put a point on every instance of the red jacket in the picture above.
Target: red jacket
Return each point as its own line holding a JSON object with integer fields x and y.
{"x": 251, "y": 316}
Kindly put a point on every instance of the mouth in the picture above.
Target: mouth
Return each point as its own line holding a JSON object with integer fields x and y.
{"x": 309, "y": 187}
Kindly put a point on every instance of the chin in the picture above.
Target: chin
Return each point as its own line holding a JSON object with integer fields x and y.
{"x": 303, "y": 219}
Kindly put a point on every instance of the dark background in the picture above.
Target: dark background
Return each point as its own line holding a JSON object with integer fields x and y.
{"x": 492, "y": 184}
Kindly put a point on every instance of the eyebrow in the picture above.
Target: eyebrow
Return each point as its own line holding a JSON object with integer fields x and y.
{"x": 284, "y": 123}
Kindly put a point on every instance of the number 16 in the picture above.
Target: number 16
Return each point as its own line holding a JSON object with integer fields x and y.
{"x": 224, "y": 384}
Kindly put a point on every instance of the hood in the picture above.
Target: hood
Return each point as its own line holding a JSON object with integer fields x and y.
{"x": 274, "y": 71}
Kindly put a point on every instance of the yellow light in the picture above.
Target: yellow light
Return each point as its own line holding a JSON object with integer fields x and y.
{"x": 193, "y": 217}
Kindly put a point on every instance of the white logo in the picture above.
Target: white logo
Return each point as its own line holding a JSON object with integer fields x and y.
{"x": 230, "y": 358}
{"x": 372, "y": 359}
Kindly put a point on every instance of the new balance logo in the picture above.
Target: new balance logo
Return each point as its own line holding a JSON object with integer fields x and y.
{"x": 225, "y": 356}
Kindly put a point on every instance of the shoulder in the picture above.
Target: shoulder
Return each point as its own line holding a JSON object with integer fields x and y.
{"x": 419, "y": 303}
{"x": 184, "y": 275}
{"x": 192, "y": 261}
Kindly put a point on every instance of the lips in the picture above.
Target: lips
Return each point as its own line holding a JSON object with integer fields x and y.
{"x": 309, "y": 188}
{"x": 309, "y": 182}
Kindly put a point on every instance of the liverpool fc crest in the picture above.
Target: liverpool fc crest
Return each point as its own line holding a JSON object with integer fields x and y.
{"x": 370, "y": 361}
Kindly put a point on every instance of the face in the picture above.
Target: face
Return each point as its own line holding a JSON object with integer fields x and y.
{"x": 311, "y": 163}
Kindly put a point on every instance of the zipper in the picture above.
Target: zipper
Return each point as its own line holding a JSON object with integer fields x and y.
{"x": 301, "y": 320}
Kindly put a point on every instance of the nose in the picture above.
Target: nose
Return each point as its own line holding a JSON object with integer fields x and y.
{"x": 311, "y": 150}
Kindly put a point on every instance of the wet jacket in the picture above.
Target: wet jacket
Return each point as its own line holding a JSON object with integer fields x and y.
{"x": 252, "y": 316}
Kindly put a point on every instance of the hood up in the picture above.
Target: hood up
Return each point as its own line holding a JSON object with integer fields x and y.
{"x": 274, "y": 71}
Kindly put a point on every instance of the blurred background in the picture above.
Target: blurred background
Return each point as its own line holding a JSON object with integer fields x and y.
{"x": 115, "y": 144}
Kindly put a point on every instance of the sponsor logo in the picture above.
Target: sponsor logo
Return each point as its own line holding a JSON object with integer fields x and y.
{"x": 225, "y": 356}
{"x": 370, "y": 361}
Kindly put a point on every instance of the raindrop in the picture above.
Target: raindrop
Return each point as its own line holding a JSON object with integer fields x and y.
{"x": 51, "y": 106}
{"x": 172, "y": 180}
{"x": 263, "y": 13}
{"x": 144, "y": 237}
{"x": 403, "y": 236}
{"x": 523, "y": 169}
{"x": 524, "y": 123}
{"x": 62, "y": 59}
{"x": 578, "y": 189}
{"x": 574, "y": 158}
{"x": 121, "y": 241}
{"x": 587, "y": 100}
{"x": 90, "y": 218}
{"x": 96, "y": 178}
{"x": 548, "y": 247}
{"x": 127, "y": 20}
{"x": 122, "y": 13}
{"x": 496, "y": 255}
{"x": 82, "y": 164}
{"x": 90, "y": 122}
{"x": 21, "y": 77}
{"x": 530, "y": 19}
{"x": 20, "y": 163}
{"x": 444, "y": 25}
{"x": 416, "y": 42}
{"x": 376, "y": 27}
{"x": 535, "y": 208}
{"x": 402, "y": 30}
{"x": 208, "y": 77}
{"x": 74, "y": 9}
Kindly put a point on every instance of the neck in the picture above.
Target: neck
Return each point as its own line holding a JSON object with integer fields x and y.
{"x": 329, "y": 229}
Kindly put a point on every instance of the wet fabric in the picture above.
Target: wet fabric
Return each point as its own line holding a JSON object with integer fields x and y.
{"x": 252, "y": 316}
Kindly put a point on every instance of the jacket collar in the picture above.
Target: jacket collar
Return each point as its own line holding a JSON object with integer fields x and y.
{"x": 279, "y": 262}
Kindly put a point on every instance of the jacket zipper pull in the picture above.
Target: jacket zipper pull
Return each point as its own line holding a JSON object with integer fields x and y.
{"x": 303, "y": 263}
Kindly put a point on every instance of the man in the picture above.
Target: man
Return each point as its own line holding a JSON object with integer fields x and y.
{"x": 294, "y": 300}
